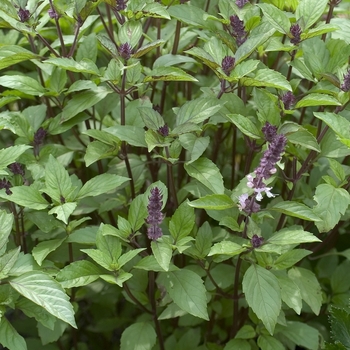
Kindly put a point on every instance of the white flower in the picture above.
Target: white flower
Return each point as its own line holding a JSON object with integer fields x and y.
{"x": 260, "y": 191}
{"x": 242, "y": 199}
{"x": 250, "y": 181}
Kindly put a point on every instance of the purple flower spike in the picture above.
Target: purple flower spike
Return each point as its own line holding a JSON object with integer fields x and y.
{"x": 39, "y": 138}
{"x": 247, "y": 204}
{"x": 6, "y": 185}
{"x": 257, "y": 241}
{"x": 346, "y": 82}
{"x": 227, "y": 64}
{"x": 164, "y": 130}
{"x": 270, "y": 131}
{"x": 267, "y": 163}
{"x": 288, "y": 100}
{"x": 125, "y": 51}
{"x": 23, "y": 15}
{"x": 52, "y": 13}
{"x": 241, "y": 3}
{"x": 238, "y": 31}
{"x": 16, "y": 168}
{"x": 295, "y": 30}
{"x": 120, "y": 5}
{"x": 155, "y": 216}
{"x": 277, "y": 143}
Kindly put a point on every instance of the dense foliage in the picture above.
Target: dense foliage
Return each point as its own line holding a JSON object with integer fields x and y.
{"x": 174, "y": 174}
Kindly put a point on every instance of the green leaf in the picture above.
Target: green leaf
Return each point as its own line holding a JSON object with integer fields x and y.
{"x": 171, "y": 311}
{"x": 266, "y": 342}
{"x": 316, "y": 56}
{"x": 10, "y": 58}
{"x": 7, "y": 261}
{"x": 309, "y": 287}
{"x": 155, "y": 10}
{"x": 277, "y": 18}
{"x": 203, "y": 242}
{"x": 103, "y": 136}
{"x": 190, "y": 15}
{"x": 257, "y": 37}
{"x": 24, "y": 263}
{"x": 213, "y": 201}
{"x": 33, "y": 310}
{"x": 269, "y": 78}
{"x": 138, "y": 336}
{"x": 162, "y": 251}
{"x": 321, "y": 28}
{"x": 240, "y": 344}
{"x": 149, "y": 263}
{"x": 97, "y": 150}
{"x": 339, "y": 281}
{"x": 10, "y": 154}
{"x": 206, "y": 172}
{"x": 148, "y": 47}
{"x": 198, "y": 110}
{"x": 83, "y": 101}
{"x": 194, "y": 144}
{"x": 152, "y": 119}
{"x": 168, "y": 74}
{"x": 84, "y": 66}
{"x": 23, "y": 83}
{"x": 6, "y": 222}
{"x": 292, "y": 235}
{"x": 86, "y": 235}
{"x": 290, "y": 292}
{"x": 87, "y": 48}
{"x": 9, "y": 336}
{"x": 8, "y": 99}
{"x": 78, "y": 273}
{"x": 137, "y": 213}
{"x": 63, "y": 211}
{"x": 204, "y": 57}
{"x": 172, "y": 60}
{"x": 246, "y": 332}
{"x": 43, "y": 249}
{"x": 43, "y": 290}
{"x": 226, "y": 248}
{"x": 57, "y": 181}
{"x": 26, "y": 196}
{"x": 80, "y": 85}
{"x": 310, "y": 11}
{"x": 186, "y": 289}
{"x": 331, "y": 203}
{"x": 118, "y": 278}
{"x": 130, "y": 32}
{"x": 290, "y": 258}
{"x": 154, "y": 139}
{"x": 340, "y": 324}
{"x": 245, "y": 125}
{"x": 244, "y": 68}
{"x": 301, "y": 334}
{"x": 305, "y": 139}
{"x": 339, "y": 124}
{"x": 182, "y": 221}
{"x": 337, "y": 169}
{"x": 133, "y": 135}
{"x": 263, "y": 295}
{"x": 128, "y": 256}
{"x": 295, "y": 209}
{"x": 316, "y": 99}
{"x": 51, "y": 335}
{"x": 101, "y": 184}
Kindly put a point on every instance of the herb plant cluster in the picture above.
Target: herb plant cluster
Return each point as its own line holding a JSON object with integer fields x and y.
{"x": 174, "y": 174}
